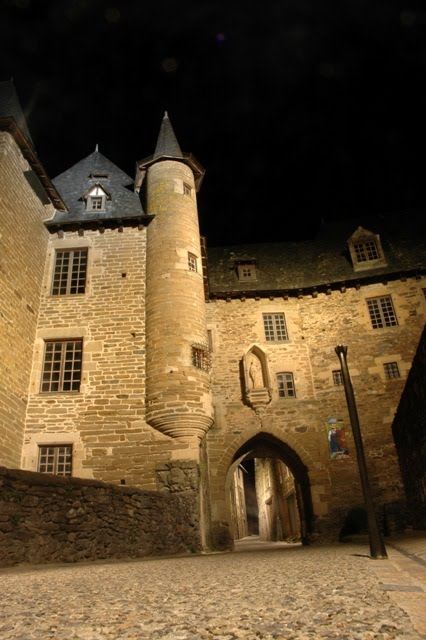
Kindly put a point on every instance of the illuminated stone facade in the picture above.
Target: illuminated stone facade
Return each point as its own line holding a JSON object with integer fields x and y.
{"x": 134, "y": 356}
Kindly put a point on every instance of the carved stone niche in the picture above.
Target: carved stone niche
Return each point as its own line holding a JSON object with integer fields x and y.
{"x": 257, "y": 385}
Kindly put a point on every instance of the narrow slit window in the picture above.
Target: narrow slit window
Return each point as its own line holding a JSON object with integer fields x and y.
{"x": 337, "y": 377}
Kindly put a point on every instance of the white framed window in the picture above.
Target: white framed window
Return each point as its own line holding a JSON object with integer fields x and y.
{"x": 337, "y": 377}
{"x": 275, "y": 327}
{"x": 55, "y": 459}
{"x": 187, "y": 190}
{"x": 382, "y": 313}
{"x": 286, "y": 388}
{"x": 69, "y": 274}
{"x": 192, "y": 262}
{"x": 62, "y": 366}
{"x": 391, "y": 370}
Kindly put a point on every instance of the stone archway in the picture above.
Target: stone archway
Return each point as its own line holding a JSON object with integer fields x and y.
{"x": 266, "y": 446}
{"x": 260, "y": 445}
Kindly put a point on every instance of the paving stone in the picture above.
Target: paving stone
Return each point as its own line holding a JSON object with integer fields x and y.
{"x": 304, "y": 593}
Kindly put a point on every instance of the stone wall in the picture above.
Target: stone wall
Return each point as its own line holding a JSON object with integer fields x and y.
{"x": 52, "y": 519}
{"x": 315, "y": 326}
{"x": 105, "y": 421}
{"x": 23, "y": 242}
{"x": 409, "y": 429}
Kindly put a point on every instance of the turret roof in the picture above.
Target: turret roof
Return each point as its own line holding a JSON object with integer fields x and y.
{"x": 167, "y": 144}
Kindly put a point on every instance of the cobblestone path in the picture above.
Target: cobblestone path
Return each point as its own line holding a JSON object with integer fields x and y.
{"x": 288, "y": 593}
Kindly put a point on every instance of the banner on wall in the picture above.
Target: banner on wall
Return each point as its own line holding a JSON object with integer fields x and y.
{"x": 336, "y": 436}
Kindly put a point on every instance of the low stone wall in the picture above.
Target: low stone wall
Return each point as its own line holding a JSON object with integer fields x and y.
{"x": 46, "y": 518}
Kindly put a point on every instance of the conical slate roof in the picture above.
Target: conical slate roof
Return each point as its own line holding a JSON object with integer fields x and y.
{"x": 122, "y": 202}
{"x": 167, "y": 144}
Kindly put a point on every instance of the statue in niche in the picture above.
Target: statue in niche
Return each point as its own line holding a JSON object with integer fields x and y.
{"x": 255, "y": 373}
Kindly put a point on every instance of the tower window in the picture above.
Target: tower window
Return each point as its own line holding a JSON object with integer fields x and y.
{"x": 275, "y": 327}
{"x": 62, "y": 366}
{"x": 286, "y": 387}
{"x": 187, "y": 191}
{"x": 55, "y": 459}
{"x": 69, "y": 276}
{"x": 337, "y": 377}
{"x": 391, "y": 370}
{"x": 200, "y": 356}
{"x": 192, "y": 262}
{"x": 365, "y": 251}
{"x": 382, "y": 313}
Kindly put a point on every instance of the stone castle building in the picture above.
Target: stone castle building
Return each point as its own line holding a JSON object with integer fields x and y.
{"x": 133, "y": 354}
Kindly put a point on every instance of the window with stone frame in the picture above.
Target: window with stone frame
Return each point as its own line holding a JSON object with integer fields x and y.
{"x": 286, "y": 388}
{"x": 187, "y": 190}
{"x": 382, "y": 312}
{"x": 275, "y": 327}
{"x": 366, "y": 250}
{"x": 69, "y": 274}
{"x": 391, "y": 370}
{"x": 192, "y": 262}
{"x": 201, "y": 357}
{"x": 337, "y": 377}
{"x": 62, "y": 366}
{"x": 55, "y": 459}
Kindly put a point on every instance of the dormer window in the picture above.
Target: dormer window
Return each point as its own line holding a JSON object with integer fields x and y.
{"x": 246, "y": 271}
{"x": 96, "y": 198}
{"x": 366, "y": 250}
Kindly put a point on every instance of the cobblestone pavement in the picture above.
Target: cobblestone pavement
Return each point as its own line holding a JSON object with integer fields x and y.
{"x": 283, "y": 593}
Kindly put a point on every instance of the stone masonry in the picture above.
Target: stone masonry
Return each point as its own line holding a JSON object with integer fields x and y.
{"x": 23, "y": 243}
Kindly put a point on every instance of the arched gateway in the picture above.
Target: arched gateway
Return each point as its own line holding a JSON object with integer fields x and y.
{"x": 261, "y": 448}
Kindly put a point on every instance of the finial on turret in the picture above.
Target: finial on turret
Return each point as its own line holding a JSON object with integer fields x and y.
{"x": 97, "y": 148}
{"x": 166, "y": 115}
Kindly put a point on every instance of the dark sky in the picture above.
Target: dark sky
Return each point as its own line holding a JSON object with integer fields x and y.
{"x": 298, "y": 109}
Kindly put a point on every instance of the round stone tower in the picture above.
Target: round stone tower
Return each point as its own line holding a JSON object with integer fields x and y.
{"x": 178, "y": 391}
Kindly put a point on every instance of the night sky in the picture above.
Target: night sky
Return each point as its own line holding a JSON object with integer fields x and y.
{"x": 300, "y": 110}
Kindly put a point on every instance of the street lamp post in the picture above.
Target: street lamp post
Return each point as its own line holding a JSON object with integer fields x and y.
{"x": 377, "y": 545}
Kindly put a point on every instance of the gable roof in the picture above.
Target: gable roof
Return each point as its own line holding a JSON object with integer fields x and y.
{"x": 322, "y": 262}
{"x": 73, "y": 184}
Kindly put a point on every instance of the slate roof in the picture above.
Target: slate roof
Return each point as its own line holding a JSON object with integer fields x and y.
{"x": 74, "y": 183}
{"x": 168, "y": 147}
{"x": 167, "y": 144}
{"x": 291, "y": 266}
{"x": 10, "y": 107}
